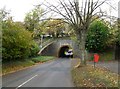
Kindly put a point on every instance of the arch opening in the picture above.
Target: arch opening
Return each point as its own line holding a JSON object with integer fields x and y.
{"x": 62, "y": 53}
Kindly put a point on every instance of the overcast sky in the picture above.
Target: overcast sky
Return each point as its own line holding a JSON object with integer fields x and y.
{"x": 18, "y": 8}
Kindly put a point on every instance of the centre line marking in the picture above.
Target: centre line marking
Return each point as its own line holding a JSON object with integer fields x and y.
{"x": 26, "y": 82}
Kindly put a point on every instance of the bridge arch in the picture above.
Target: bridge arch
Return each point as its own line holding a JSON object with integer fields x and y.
{"x": 54, "y": 48}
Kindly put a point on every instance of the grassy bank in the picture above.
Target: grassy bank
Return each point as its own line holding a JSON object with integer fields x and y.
{"x": 88, "y": 76}
{"x": 12, "y": 66}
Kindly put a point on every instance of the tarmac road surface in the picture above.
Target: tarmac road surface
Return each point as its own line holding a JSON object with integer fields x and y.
{"x": 50, "y": 74}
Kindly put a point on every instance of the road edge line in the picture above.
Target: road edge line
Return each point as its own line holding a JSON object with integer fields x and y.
{"x": 26, "y": 82}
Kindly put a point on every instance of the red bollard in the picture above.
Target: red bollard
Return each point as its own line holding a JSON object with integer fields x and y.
{"x": 96, "y": 58}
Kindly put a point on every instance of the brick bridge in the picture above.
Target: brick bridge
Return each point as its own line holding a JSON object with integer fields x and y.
{"x": 57, "y": 48}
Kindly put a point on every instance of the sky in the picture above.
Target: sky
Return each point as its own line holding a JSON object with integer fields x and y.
{"x": 19, "y": 8}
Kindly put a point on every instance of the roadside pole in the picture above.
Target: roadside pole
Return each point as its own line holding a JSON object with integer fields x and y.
{"x": 41, "y": 41}
{"x": 96, "y": 59}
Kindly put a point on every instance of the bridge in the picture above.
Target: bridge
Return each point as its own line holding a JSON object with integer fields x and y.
{"x": 57, "y": 48}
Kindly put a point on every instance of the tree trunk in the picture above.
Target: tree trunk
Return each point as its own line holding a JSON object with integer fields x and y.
{"x": 82, "y": 46}
{"x": 81, "y": 42}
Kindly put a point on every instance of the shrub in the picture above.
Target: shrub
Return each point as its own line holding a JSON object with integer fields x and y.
{"x": 34, "y": 50}
{"x": 119, "y": 37}
{"x": 16, "y": 42}
{"x": 97, "y": 37}
{"x": 118, "y": 28}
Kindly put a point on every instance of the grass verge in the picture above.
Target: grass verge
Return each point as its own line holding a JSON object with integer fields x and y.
{"x": 13, "y": 66}
{"x": 87, "y": 76}
{"x": 42, "y": 59}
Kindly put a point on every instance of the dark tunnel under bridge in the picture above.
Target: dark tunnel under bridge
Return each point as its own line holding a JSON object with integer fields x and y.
{"x": 62, "y": 50}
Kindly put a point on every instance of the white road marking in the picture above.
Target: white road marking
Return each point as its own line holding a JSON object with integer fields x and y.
{"x": 26, "y": 82}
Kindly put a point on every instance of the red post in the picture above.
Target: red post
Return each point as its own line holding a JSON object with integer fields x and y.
{"x": 96, "y": 58}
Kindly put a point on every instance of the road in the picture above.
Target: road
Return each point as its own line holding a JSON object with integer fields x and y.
{"x": 112, "y": 65}
{"x": 49, "y": 74}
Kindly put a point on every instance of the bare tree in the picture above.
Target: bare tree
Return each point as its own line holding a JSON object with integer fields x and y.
{"x": 79, "y": 15}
